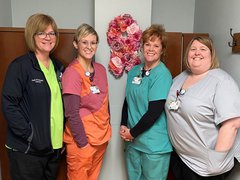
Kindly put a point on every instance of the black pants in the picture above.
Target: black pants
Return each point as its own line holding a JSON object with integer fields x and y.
{"x": 32, "y": 167}
{"x": 183, "y": 172}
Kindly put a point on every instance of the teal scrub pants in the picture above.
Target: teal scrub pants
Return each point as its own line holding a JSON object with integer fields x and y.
{"x": 143, "y": 166}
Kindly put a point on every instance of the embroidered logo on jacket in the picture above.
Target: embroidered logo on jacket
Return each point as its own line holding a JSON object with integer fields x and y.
{"x": 37, "y": 80}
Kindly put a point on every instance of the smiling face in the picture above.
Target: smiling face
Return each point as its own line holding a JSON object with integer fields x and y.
{"x": 86, "y": 47}
{"x": 44, "y": 45}
{"x": 199, "y": 58}
{"x": 152, "y": 50}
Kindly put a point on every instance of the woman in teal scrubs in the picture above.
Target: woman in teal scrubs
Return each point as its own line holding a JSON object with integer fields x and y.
{"x": 143, "y": 125}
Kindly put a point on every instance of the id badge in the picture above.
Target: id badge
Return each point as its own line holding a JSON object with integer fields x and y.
{"x": 136, "y": 80}
{"x": 174, "y": 105}
{"x": 95, "y": 89}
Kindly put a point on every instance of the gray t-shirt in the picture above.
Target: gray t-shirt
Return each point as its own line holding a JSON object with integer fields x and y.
{"x": 193, "y": 127}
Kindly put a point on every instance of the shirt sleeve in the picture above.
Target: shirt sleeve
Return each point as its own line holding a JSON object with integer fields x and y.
{"x": 124, "y": 113}
{"x": 12, "y": 95}
{"x": 160, "y": 87}
{"x": 226, "y": 100}
{"x": 72, "y": 107}
{"x": 71, "y": 82}
{"x": 155, "y": 109}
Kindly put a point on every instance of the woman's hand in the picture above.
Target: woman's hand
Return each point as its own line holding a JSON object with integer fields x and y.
{"x": 125, "y": 133}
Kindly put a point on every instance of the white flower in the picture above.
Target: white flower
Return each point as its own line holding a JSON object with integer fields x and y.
{"x": 117, "y": 62}
{"x": 133, "y": 28}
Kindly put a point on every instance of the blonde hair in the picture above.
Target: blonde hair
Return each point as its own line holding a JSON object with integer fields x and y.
{"x": 84, "y": 30}
{"x": 207, "y": 42}
{"x": 39, "y": 23}
{"x": 153, "y": 32}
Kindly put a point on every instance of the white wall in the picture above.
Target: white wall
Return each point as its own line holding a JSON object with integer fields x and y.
{"x": 5, "y": 13}
{"x": 67, "y": 13}
{"x": 212, "y": 16}
{"x": 177, "y": 16}
{"x": 114, "y": 161}
{"x": 216, "y": 17}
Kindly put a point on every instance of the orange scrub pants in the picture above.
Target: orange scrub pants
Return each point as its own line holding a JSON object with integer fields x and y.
{"x": 84, "y": 163}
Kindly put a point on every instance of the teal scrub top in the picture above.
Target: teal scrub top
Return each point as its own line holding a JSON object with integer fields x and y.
{"x": 153, "y": 87}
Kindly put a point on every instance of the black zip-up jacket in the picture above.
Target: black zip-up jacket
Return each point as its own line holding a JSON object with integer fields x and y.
{"x": 26, "y": 102}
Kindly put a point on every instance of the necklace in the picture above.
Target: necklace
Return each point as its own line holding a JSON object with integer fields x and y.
{"x": 87, "y": 69}
{"x": 90, "y": 75}
{"x": 87, "y": 73}
{"x": 145, "y": 72}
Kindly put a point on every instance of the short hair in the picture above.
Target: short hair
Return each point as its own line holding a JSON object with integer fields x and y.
{"x": 153, "y": 32}
{"x": 207, "y": 42}
{"x": 39, "y": 23}
{"x": 84, "y": 30}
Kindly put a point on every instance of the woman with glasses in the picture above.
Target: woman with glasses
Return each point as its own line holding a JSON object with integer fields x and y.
{"x": 32, "y": 104}
{"x": 143, "y": 125}
{"x": 85, "y": 95}
{"x": 203, "y": 111}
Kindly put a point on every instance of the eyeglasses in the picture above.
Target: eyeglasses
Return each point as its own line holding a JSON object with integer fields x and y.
{"x": 88, "y": 43}
{"x": 43, "y": 35}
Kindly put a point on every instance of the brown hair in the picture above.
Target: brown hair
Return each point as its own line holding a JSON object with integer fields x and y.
{"x": 153, "y": 32}
{"x": 207, "y": 42}
{"x": 38, "y": 23}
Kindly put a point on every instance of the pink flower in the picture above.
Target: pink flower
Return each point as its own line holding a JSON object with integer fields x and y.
{"x": 134, "y": 60}
{"x": 116, "y": 67}
{"x": 116, "y": 46}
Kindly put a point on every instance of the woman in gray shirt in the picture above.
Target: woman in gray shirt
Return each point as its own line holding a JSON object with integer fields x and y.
{"x": 203, "y": 111}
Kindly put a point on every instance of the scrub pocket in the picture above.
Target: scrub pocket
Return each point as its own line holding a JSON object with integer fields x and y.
{"x": 219, "y": 162}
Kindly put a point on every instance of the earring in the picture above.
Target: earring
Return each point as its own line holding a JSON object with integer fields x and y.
{"x": 75, "y": 45}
